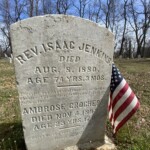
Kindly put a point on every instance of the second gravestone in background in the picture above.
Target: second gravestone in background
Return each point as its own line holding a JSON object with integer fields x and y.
{"x": 63, "y": 70}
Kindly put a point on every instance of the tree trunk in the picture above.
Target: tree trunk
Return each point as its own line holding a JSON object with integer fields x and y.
{"x": 130, "y": 49}
{"x": 138, "y": 51}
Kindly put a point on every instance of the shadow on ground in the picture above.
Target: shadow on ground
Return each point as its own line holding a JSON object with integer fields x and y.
{"x": 11, "y": 137}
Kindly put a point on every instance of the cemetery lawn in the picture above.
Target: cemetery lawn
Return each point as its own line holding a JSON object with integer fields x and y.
{"x": 135, "y": 135}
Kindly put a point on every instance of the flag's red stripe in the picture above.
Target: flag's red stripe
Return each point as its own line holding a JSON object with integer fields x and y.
{"x": 110, "y": 104}
{"x": 124, "y": 105}
{"x": 127, "y": 117}
{"x": 119, "y": 95}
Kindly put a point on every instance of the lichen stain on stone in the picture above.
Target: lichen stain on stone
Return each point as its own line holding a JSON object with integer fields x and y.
{"x": 29, "y": 29}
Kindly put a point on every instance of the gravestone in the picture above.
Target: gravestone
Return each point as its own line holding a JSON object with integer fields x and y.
{"x": 63, "y": 70}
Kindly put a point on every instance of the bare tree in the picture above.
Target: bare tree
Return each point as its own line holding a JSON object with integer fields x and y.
{"x": 31, "y": 8}
{"x": 94, "y": 11}
{"x": 140, "y": 22}
{"x": 80, "y": 6}
{"x": 46, "y": 6}
{"x": 62, "y": 6}
{"x": 37, "y": 7}
{"x": 125, "y": 25}
{"x": 10, "y": 12}
{"x": 146, "y": 24}
{"x": 111, "y": 13}
{"x": 6, "y": 20}
{"x": 106, "y": 7}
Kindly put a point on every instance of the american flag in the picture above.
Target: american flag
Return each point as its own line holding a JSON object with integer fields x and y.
{"x": 123, "y": 103}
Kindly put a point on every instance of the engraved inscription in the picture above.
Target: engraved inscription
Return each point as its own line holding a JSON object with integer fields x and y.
{"x": 55, "y": 117}
{"x": 44, "y": 97}
{"x": 46, "y": 69}
{"x": 85, "y": 74}
{"x": 65, "y": 46}
{"x": 41, "y": 109}
{"x": 69, "y": 59}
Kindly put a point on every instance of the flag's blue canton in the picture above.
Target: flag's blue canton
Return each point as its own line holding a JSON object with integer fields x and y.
{"x": 116, "y": 78}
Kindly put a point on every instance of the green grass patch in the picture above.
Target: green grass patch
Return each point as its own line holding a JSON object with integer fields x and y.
{"x": 11, "y": 133}
{"x": 135, "y": 135}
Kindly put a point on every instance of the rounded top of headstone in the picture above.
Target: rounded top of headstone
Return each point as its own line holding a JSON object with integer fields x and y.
{"x": 60, "y": 17}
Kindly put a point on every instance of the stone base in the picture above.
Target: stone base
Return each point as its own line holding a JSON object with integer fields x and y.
{"x": 108, "y": 145}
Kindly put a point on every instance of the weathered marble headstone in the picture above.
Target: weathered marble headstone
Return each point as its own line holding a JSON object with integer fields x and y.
{"x": 63, "y": 70}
